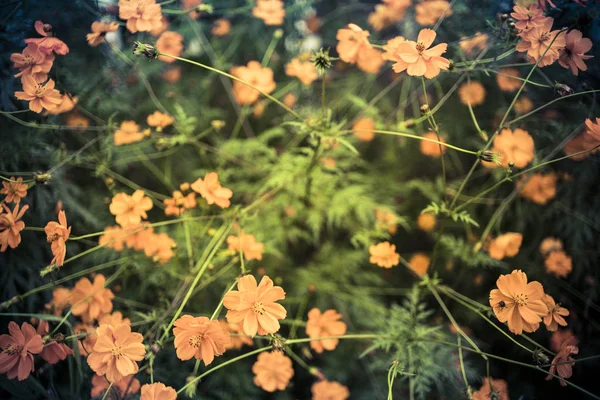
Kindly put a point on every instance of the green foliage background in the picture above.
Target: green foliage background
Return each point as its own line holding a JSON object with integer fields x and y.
{"x": 326, "y": 243}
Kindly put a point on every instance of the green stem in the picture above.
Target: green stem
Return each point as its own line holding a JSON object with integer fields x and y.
{"x": 268, "y": 96}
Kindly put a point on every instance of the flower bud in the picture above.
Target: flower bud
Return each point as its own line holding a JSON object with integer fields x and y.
{"x": 142, "y": 49}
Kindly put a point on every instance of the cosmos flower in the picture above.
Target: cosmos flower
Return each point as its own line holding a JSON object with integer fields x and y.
{"x": 99, "y": 31}
{"x": 418, "y": 59}
{"x": 14, "y": 190}
{"x": 33, "y": 62}
{"x": 39, "y": 95}
{"x": 211, "y": 190}
{"x": 384, "y": 255}
{"x": 272, "y": 371}
{"x": 255, "y": 305}
{"x": 327, "y": 323}
{"x": 158, "y": 391}
{"x": 518, "y": 303}
{"x": 18, "y": 349}
{"x": 199, "y": 337}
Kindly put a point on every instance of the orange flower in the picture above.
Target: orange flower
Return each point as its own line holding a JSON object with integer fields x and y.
{"x": 91, "y": 301}
{"x": 172, "y": 75}
{"x": 519, "y": 303}
{"x": 221, "y": 27}
{"x": 159, "y": 120}
{"x": 325, "y": 390}
{"x": 305, "y": 71}
{"x": 14, "y": 190}
{"x": 539, "y": 38}
{"x": 430, "y": 11}
{"x": 116, "y": 352}
{"x": 473, "y": 93}
{"x": 60, "y": 300}
{"x": 77, "y": 120}
{"x": 211, "y": 190}
{"x": 497, "y": 386}
{"x": 384, "y": 255}
{"x": 99, "y": 31}
{"x": 87, "y": 343}
{"x": 32, "y": 62}
{"x": 47, "y": 43}
{"x": 11, "y": 226}
{"x": 586, "y": 141}
{"x": 513, "y": 146}
{"x": 506, "y": 245}
{"x": 370, "y": 60}
{"x": 419, "y": 263}
{"x": 247, "y": 244}
{"x": 179, "y": 203}
{"x": 290, "y": 100}
{"x": 523, "y": 105}
{"x": 129, "y": 210}
{"x": 418, "y": 59}
{"x": 362, "y": 129}
{"x": 272, "y": 371}
{"x": 559, "y": 337}
{"x": 507, "y": 81}
{"x": 141, "y": 15}
{"x": 386, "y": 220}
{"x": 189, "y": 4}
{"x": 199, "y": 337}
{"x": 159, "y": 247}
{"x": 237, "y": 337}
{"x": 478, "y": 41}
{"x": 53, "y": 351}
{"x": 527, "y": 18}
{"x": 426, "y": 222}
{"x": 555, "y": 314}
{"x": 549, "y": 245}
{"x": 320, "y": 325}
{"x": 255, "y": 75}
{"x": 57, "y": 234}
{"x": 128, "y": 133}
{"x": 164, "y": 25}
{"x": 114, "y": 319}
{"x": 353, "y": 40}
{"x": 539, "y": 188}
{"x": 67, "y": 104}
{"x": 158, "y": 391}
{"x": 40, "y": 96}
{"x": 113, "y": 237}
{"x": 18, "y": 348}
{"x": 560, "y": 363}
{"x": 390, "y": 12}
{"x": 270, "y": 11}
{"x": 255, "y": 305}
{"x": 169, "y": 43}
{"x": 573, "y": 55}
{"x": 390, "y": 48}
{"x": 559, "y": 264}
{"x": 125, "y": 387}
{"x": 432, "y": 149}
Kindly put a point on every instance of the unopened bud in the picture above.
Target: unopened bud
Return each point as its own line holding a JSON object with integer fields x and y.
{"x": 142, "y": 49}
{"x": 424, "y": 109}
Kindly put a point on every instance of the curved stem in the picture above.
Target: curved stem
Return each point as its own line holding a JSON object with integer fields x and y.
{"x": 268, "y": 96}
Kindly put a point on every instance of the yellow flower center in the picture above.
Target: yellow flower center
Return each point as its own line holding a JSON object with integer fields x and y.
{"x": 117, "y": 351}
{"x": 521, "y": 300}
{"x": 259, "y": 308}
{"x": 53, "y": 237}
{"x": 420, "y": 47}
{"x": 28, "y": 60}
{"x": 196, "y": 340}
{"x": 12, "y": 349}
{"x": 39, "y": 91}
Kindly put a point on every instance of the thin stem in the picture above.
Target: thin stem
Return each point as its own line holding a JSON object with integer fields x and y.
{"x": 268, "y": 96}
